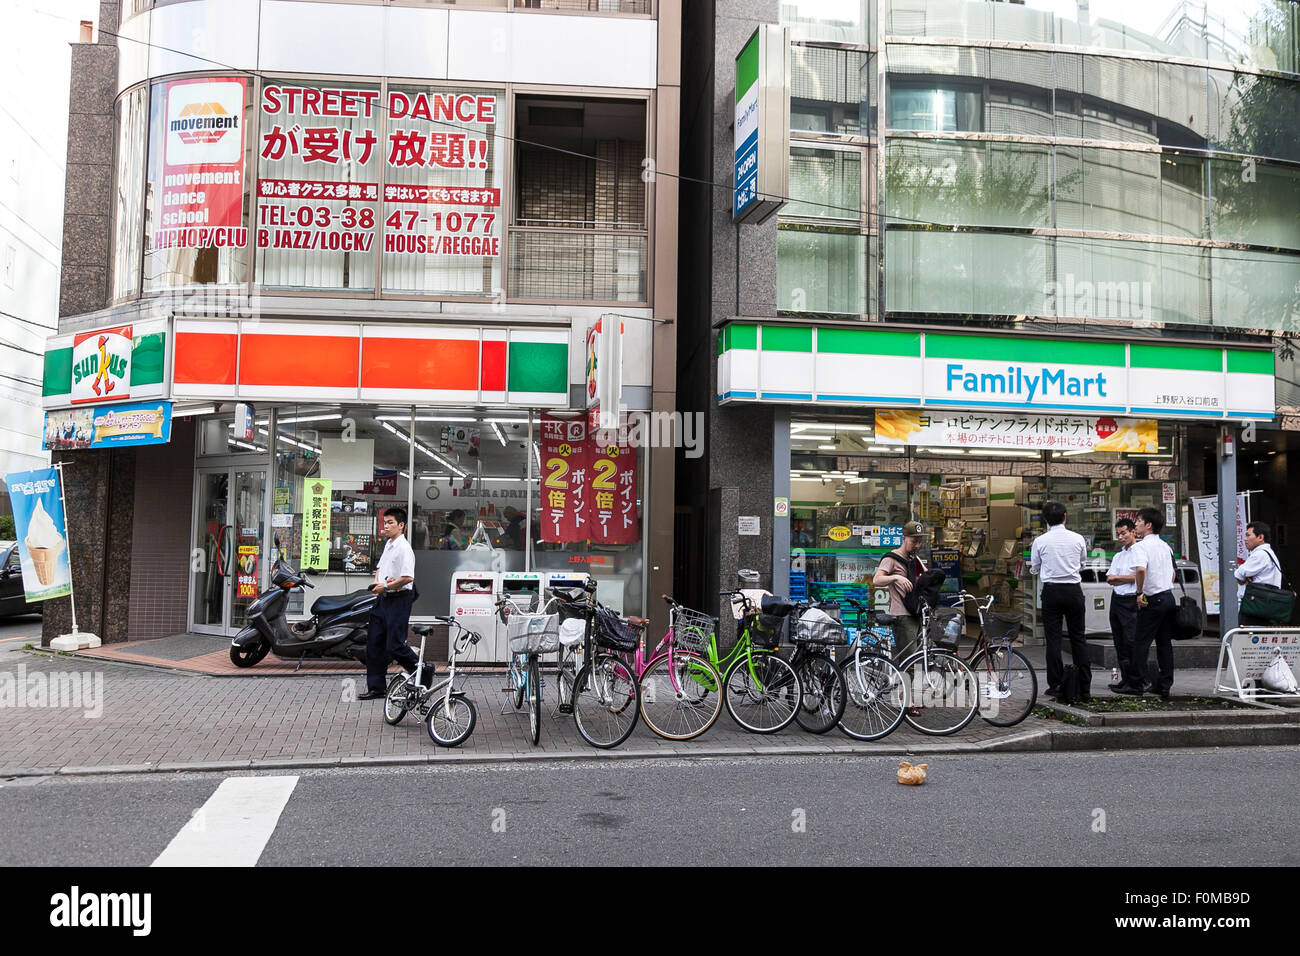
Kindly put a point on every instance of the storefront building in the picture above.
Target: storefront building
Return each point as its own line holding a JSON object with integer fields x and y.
{"x": 354, "y": 254}
{"x": 1028, "y": 251}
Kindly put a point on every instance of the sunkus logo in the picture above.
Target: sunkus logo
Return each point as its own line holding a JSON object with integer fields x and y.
{"x": 1026, "y": 384}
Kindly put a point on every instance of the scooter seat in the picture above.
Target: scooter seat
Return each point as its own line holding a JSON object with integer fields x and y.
{"x": 333, "y": 603}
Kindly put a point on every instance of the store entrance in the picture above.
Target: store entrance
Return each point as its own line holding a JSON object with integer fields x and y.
{"x": 227, "y": 566}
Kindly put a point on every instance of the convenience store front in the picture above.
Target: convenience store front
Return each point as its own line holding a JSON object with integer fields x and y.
{"x": 970, "y": 434}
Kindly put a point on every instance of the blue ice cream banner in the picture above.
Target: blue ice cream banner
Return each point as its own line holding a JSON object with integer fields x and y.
{"x": 42, "y": 533}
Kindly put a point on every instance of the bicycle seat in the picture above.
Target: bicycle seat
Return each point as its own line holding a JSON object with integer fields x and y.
{"x": 422, "y": 629}
{"x": 779, "y": 607}
{"x": 637, "y": 621}
{"x": 884, "y": 619}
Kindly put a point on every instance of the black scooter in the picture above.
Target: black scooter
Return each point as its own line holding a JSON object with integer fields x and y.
{"x": 338, "y": 625}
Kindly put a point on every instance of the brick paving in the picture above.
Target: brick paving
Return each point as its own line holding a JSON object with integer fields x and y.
{"x": 161, "y": 717}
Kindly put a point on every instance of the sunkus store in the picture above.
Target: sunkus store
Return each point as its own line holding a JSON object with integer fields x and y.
{"x": 970, "y": 433}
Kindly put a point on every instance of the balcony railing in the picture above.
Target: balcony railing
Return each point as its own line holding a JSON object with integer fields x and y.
{"x": 578, "y": 265}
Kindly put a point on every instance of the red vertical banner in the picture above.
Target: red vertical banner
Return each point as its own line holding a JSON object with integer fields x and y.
{"x": 203, "y": 165}
{"x": 614, "y": 518}
{"x": 565, "y": 473}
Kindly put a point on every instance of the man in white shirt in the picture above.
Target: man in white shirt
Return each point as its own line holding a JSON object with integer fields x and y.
{"x": 1057, "y": 557}
{"x": 1153, "y": 569}
{"x": 1123, "y": 598}
{"x": 1261, "y": 566}
{"x": 394, "y": 580}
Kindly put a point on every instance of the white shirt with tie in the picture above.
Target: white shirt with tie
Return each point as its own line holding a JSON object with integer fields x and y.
{"x": 1057, "y": 556}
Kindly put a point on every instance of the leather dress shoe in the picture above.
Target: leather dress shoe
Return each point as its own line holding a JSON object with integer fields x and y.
{"x": 1129, "y": 691}
{"x": 1114, "y": 688}
{"x": 371, "y": 695}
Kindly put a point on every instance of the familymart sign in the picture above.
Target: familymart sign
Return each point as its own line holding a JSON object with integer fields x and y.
{"x": 770, "y": 363}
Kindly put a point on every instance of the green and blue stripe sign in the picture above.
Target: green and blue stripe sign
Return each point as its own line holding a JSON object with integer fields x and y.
{"x": 774, "y": 363}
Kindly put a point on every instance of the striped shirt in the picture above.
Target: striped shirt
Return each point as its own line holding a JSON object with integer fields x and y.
{"x": 1123, "y": 564}
{"x": 1058, "y": 555}
{"x": 1153, "y": 554}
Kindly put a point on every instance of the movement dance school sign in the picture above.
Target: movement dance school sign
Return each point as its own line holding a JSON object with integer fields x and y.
{"x": 322, "y": 145}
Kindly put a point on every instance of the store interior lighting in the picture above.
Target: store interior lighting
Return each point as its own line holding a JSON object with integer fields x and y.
{"x": 501, "y": 437}
{"x": 420, "y": 446}
{"x": 305, "y": 418}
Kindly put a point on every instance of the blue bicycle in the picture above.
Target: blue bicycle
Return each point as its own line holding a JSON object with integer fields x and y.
{"x": 530, "y": 635}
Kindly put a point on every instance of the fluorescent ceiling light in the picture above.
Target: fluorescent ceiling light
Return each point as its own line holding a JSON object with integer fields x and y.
{"x": 500, "y": 434}
{"x": 1007, "y": 454}
{"x": 828, "y": 447}
{"x": 309, "y": 418}
{"x": 832, "y": 426}
{"x": 420, "y": 445}
{"x": 182, "y": 411}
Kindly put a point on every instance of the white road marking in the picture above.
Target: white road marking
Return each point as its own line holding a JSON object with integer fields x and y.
{"x": 233, "y": 827}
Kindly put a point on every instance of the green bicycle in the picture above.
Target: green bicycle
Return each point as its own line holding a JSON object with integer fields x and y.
{"x": 761, "y": 690}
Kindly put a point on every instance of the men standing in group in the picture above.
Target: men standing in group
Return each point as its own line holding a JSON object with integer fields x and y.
{"x": 1057, "y": 556}
{"x": 394, "y": 580}
{"x": 1153, "y": 569}
{"x": 1261, "y": 567}
{"x": 898, "y": 571}
{"x": 1123, "y": 597}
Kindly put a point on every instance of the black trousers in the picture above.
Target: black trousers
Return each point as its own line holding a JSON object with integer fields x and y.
{"x": 1155, "y": 622}
{"x": 387, "y": 638}
{"x": 1123, "y": 626}
{"x": 1245, "y": 620}
{"x": 1064, "y": 603}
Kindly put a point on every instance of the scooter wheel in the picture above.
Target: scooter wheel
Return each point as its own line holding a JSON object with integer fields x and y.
{"x": 247, "y": 657}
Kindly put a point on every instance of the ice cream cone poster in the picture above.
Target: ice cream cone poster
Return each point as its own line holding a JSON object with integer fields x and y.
{"x": 101, "y": 365}
{"x": 41, "y": 532}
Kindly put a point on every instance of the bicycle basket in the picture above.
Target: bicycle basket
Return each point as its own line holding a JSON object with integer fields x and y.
{"x": 1002, "y": 628}
{"x": 818, "y": 629}
{"x": 533, "y": 633}
{"x": 692, "y": 630}
{"x": 614, "y": 632}
{"x": 941, "y": 620}
{"x": 766, "y": 630}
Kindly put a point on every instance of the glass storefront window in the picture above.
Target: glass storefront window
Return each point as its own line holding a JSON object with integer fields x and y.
{"x": 443, "y": 185}
{"x": 962, "y": 183}
{"x": 966, "y": 272}
{"x": 196, "y": 191}
{"x": 937, "y": 109}
{"x": 128, "y": 195}
{"x": 820, "y": 269}
{"x": 832, "y": 91}
{"x": 318, "y": 205}
{"x": 835, "y": 21}
{"x": 1255, "y": 202}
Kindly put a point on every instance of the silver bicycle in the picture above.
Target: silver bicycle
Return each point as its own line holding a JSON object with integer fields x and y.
{"x": 449, "y": 714}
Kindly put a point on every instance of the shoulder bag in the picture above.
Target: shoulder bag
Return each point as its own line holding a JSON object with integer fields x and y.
{"x": 1267, "y": 602}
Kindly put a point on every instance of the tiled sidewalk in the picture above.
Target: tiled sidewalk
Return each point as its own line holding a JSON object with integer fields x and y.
{"x": 158, "y": 717}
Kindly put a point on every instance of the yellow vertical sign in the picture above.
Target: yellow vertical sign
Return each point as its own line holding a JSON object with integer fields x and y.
{"x": 316, "y": 523}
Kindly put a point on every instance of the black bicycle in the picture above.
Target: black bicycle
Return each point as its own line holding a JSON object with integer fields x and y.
{"x": 816, "y": 628}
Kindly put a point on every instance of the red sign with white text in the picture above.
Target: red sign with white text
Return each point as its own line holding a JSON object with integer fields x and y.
{"x": 564, "y": 492}
{"x": 202, "y": 197}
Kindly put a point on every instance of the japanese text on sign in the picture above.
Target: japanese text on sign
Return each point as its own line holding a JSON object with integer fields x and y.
{"x": 316, "y": 523}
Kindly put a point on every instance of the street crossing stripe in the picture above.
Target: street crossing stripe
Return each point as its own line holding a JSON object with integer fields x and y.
{"x": 233, "y": 827}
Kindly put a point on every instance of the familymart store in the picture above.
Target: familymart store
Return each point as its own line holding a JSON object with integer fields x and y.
{"x": 970, "y": 433}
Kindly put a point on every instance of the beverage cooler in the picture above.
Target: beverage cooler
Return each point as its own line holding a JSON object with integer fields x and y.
{"x": 474, "y": 596}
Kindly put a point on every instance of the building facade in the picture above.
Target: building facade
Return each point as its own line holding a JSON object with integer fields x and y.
{"x": 1030, "y": 250}
{"x": 381, "y": 232}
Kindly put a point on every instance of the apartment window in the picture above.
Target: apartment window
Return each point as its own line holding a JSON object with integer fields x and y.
{"x": 579, "y": 229}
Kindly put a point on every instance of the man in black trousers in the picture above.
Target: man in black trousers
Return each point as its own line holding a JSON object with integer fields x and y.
{"x": 394, "y": 580}
{"x": 1058, "y": 557}
{"x": 1123, "y": 598}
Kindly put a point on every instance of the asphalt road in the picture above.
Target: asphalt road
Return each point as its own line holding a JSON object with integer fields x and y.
{"x": 16, "y": 631}
{"x": 1158, "y": 808}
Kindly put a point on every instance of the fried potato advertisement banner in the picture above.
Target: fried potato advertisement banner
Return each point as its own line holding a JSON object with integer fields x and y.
{"x": 1031, "y": 432}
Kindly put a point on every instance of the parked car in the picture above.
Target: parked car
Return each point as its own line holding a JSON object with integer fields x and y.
{"x": 11, "y": 583}
{"x": 1096, "y": 592}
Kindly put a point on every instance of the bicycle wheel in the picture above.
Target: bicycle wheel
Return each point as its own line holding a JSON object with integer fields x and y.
{"x": 605, "y": 701}
{"x": 943, "y": 696}
{"x": 823, "y": 695}
{"x": 674, "y": 701}
{"x": 1007, "y": 683}
{"x": 397, "y": 701}
{"x": 517, "y": 675}
{"x": 877, "y": 697}
{"x": 451, "y": 721}
{"x": 766, "y": 700}
{"x": 565, "y": 677}
{"x": 534, "y": 699}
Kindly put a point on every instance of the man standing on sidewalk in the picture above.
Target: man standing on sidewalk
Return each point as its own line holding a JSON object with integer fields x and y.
{"x": 1058, "y": 557}
{"x": 1261, "y": 566}
{"x": 1153, "y": 567}
{"x": 1123, "y": 598}
{"x": 394, "y": 578}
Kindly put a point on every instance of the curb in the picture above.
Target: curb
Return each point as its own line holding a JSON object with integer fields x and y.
{"x": 1036, "y": 740}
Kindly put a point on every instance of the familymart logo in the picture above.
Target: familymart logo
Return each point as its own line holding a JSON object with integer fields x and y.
{"x": 1026, "y": 383}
